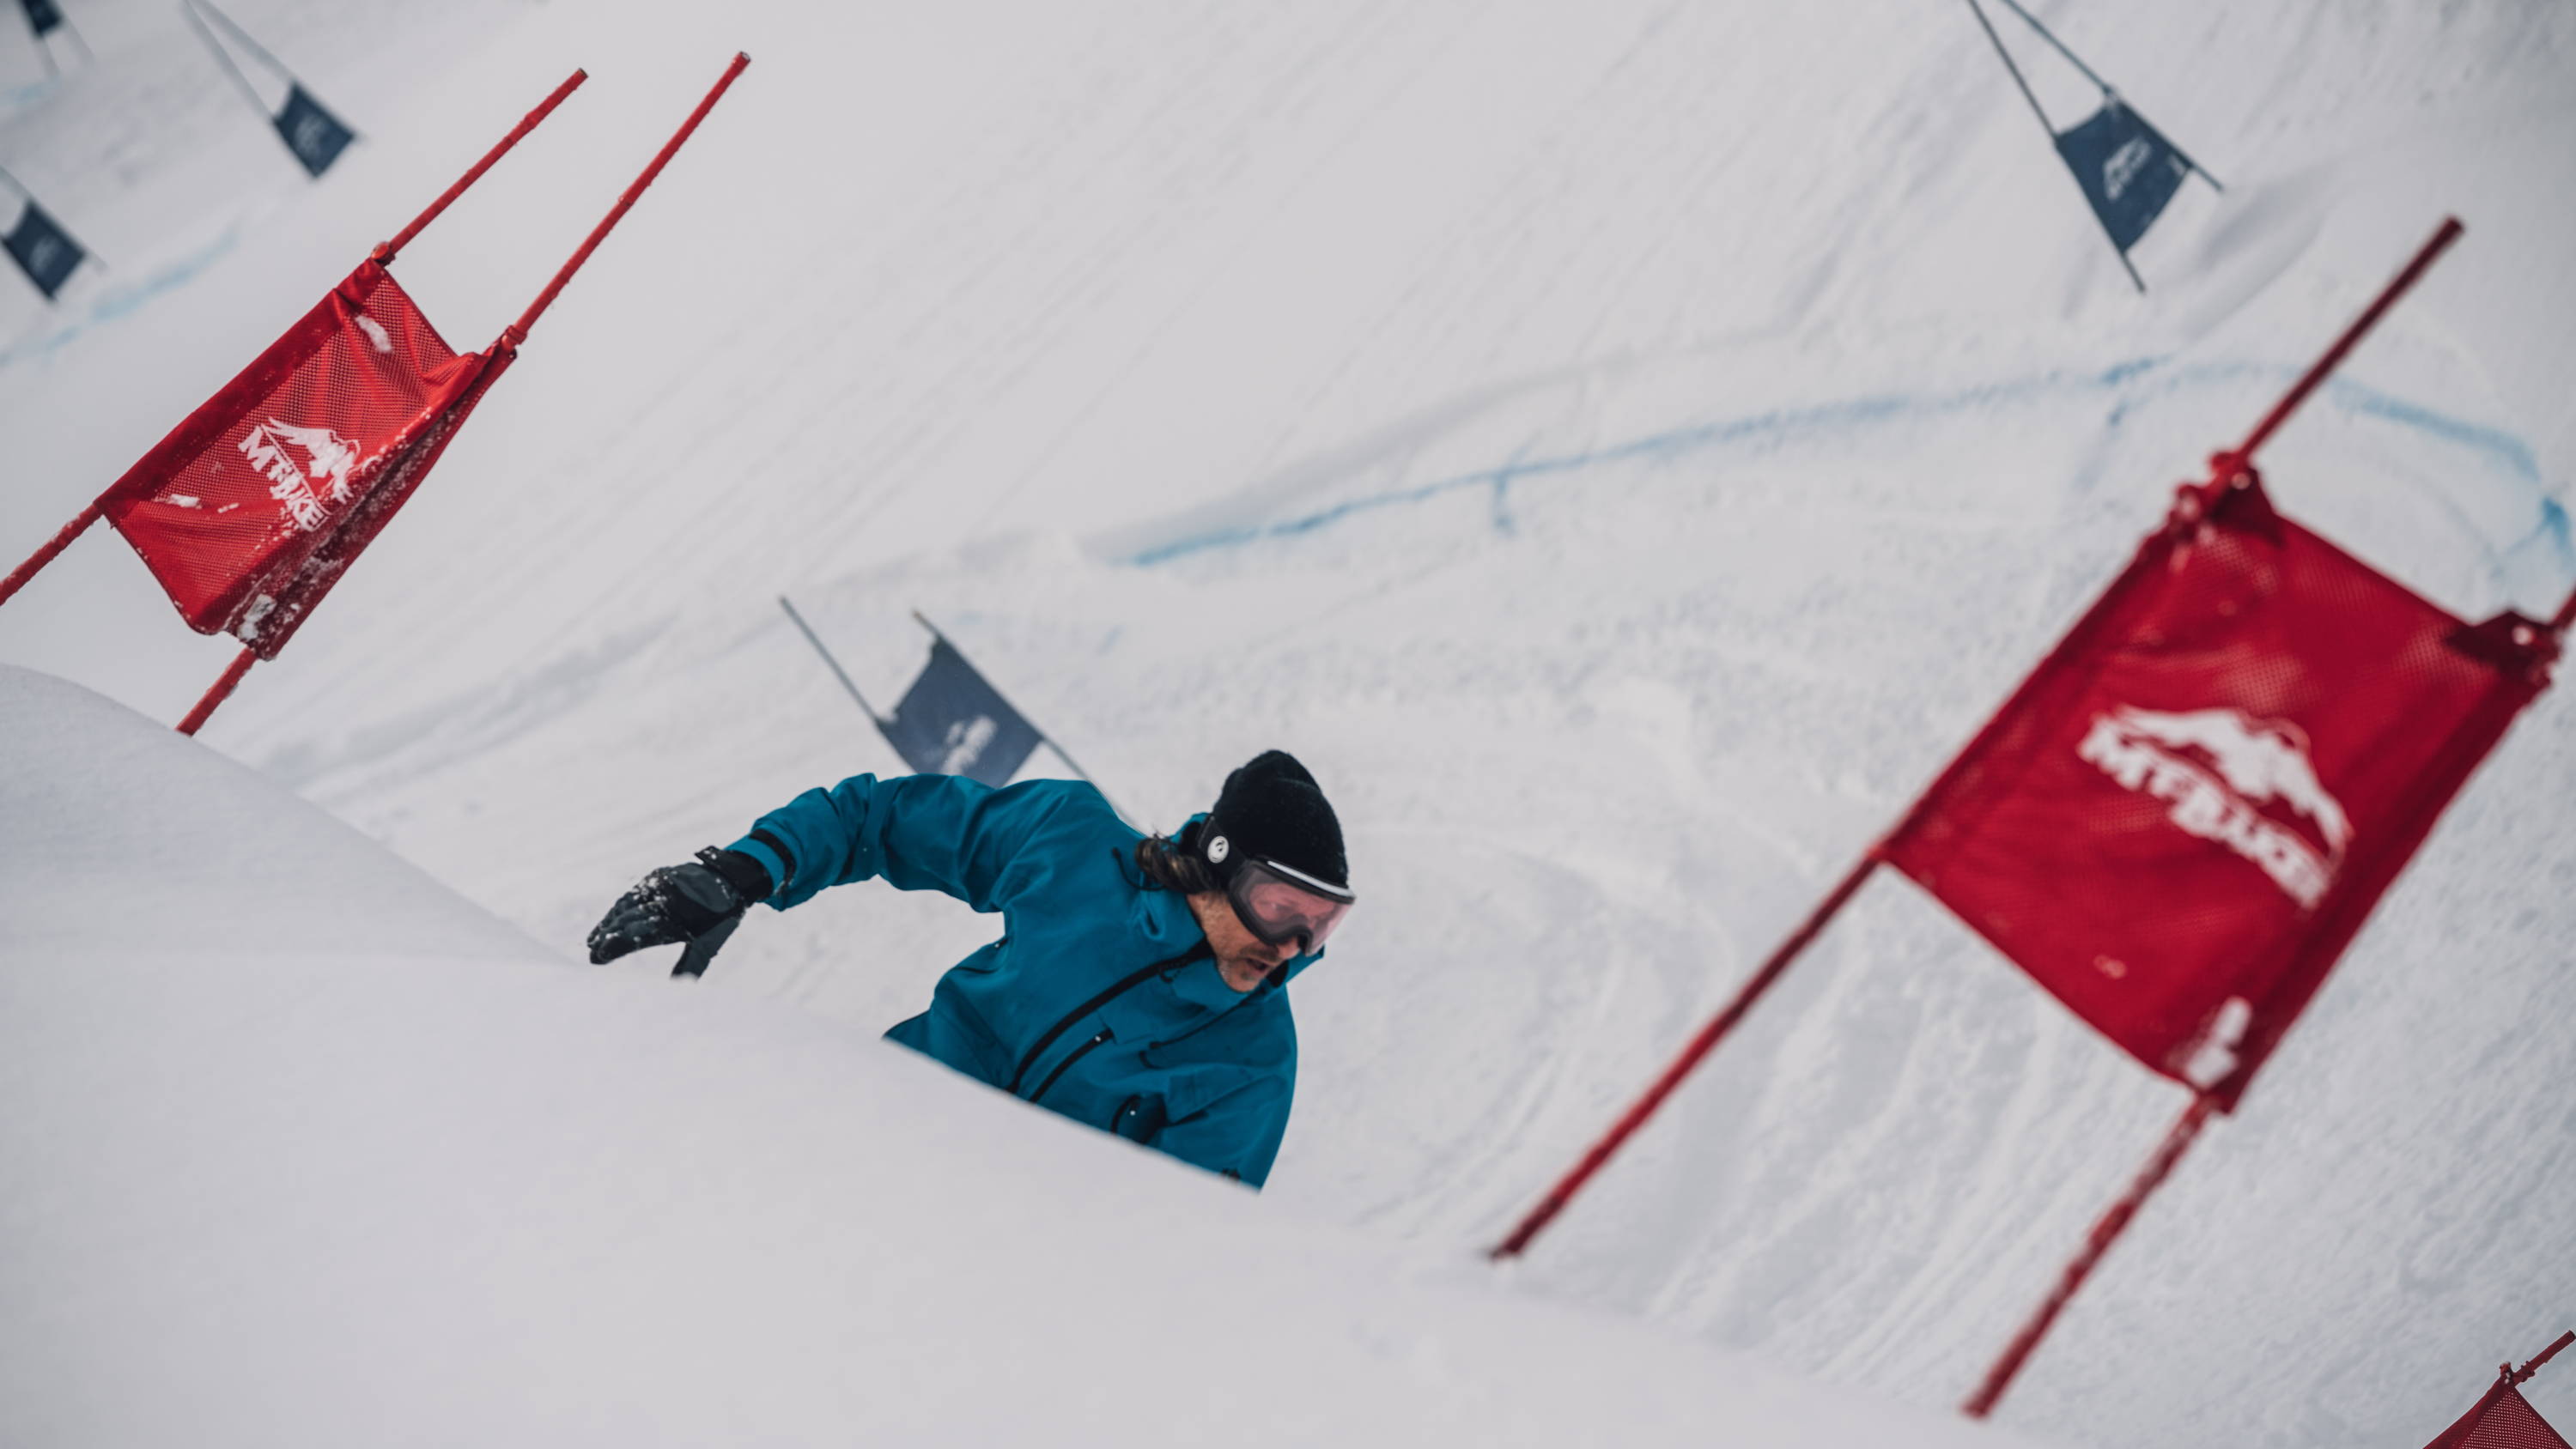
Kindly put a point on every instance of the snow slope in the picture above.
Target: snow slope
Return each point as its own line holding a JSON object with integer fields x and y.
{"x": 1623, "y": 448}
{"x": 310, "y": 1151}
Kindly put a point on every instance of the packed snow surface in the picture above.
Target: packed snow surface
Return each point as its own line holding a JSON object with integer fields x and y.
{"x": 308, "y": 1150}
{"x": 1622, "y": 448}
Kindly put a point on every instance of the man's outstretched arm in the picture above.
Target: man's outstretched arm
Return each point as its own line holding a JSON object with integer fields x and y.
{"x": 920, "y": 832}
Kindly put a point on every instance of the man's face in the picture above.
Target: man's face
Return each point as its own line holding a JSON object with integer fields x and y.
{"x": 1242, "y": 958}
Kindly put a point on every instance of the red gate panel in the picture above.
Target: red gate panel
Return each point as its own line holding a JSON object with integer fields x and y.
{"x": 2181, "y": 818}
{"x": 250, "y": 508}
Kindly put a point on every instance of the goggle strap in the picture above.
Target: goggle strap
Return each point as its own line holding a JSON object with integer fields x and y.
{"x": 1340, "y": 895}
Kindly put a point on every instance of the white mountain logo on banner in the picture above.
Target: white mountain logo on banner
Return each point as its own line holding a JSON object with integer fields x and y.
{"x": 329, "y": 459}
{"x": 2230, "y": 779}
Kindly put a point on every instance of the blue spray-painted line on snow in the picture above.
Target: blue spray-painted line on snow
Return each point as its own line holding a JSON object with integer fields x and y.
{"x": 2507, "y": 447}
{"x": 2504, "y": 447}
{"x": 1783, "y": 425}
{"x": 120, "y": 302}
{"x": 1832, "y": 417}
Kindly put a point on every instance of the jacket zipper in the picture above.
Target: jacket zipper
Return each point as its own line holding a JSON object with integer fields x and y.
{"x": 1124, "y": 985}
{"x": 1077, "y": 1054}
{"x": 1195, "y": 1028}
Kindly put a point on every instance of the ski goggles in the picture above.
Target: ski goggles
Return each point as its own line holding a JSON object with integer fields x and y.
{"x": 1281, "y": 905}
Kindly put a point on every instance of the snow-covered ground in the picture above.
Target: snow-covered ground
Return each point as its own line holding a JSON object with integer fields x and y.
{"x": 313, "y": 1151}
{"x": 1622, "y": 448}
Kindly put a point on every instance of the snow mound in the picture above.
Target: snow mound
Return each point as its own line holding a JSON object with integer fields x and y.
{"x": 124, "y": 837}
{"x": 306, "y": 1150}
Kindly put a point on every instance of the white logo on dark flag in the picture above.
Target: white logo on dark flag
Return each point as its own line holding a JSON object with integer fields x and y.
{"x": 965, "y": 744}
{"x": 2124, "y": 166}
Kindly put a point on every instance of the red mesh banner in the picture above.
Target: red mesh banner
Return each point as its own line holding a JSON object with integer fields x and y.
{"x": 2502, "y": 1420}
{"x": 2180, "y": 819}
{"x": 251, "y": 509}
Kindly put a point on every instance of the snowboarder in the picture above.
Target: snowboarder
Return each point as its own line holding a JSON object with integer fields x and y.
{"x": 1140, "y": 981}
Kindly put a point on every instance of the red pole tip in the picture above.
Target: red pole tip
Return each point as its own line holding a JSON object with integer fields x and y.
{"x": 670, "y": 148}
{"x": 2523, "y": 1374}
{"x": 387, "y": 250}
{"x": 2447, "y": 233}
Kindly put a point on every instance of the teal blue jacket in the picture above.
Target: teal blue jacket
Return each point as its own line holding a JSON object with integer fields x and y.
{"x": 1100, "y": 1001}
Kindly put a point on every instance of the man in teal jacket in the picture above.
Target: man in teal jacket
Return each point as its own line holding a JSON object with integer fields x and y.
{"x": 1140, "y": 982}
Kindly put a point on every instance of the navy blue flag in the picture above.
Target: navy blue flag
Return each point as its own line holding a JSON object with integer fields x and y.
{"x": 44, "y": 250}
{"x": 315, "y": 135}
{"x": 42, "y": 16}
{"x": 2128, "y": 170}
{"x": 953, "y": 723}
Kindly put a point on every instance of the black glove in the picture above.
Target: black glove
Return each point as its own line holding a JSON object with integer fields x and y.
{"x": 700, "y": 903}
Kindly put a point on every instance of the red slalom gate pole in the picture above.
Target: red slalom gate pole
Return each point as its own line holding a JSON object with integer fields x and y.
{"x": 2522, "y": 1375}
{"x": 2178, "y": 1140}
{"x": 2226, "y": 465}
{"x": 1725, "y": 1021}
{"x": 79, "y": 525}
{"x": 2443, "y": 235}
{"x": 222, "y": 691}
{"x": 1699, "y": 1046}
{"x": 386, "y": 251}
{"x": 517, "y": 332}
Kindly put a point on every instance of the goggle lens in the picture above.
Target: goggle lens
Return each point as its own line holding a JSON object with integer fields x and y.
{"x": 1280, "y": 910}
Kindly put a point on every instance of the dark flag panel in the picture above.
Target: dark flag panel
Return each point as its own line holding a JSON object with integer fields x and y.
{"x": 2127, "y": 169}
{"x": 315, "y": 135}
{"x": 43, "y": 16}
{"x": 43, "y": 250}
{"x": 953, "y": 723}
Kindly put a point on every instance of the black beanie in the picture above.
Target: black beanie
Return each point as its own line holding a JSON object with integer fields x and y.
{"x": 1271, "y": 809}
